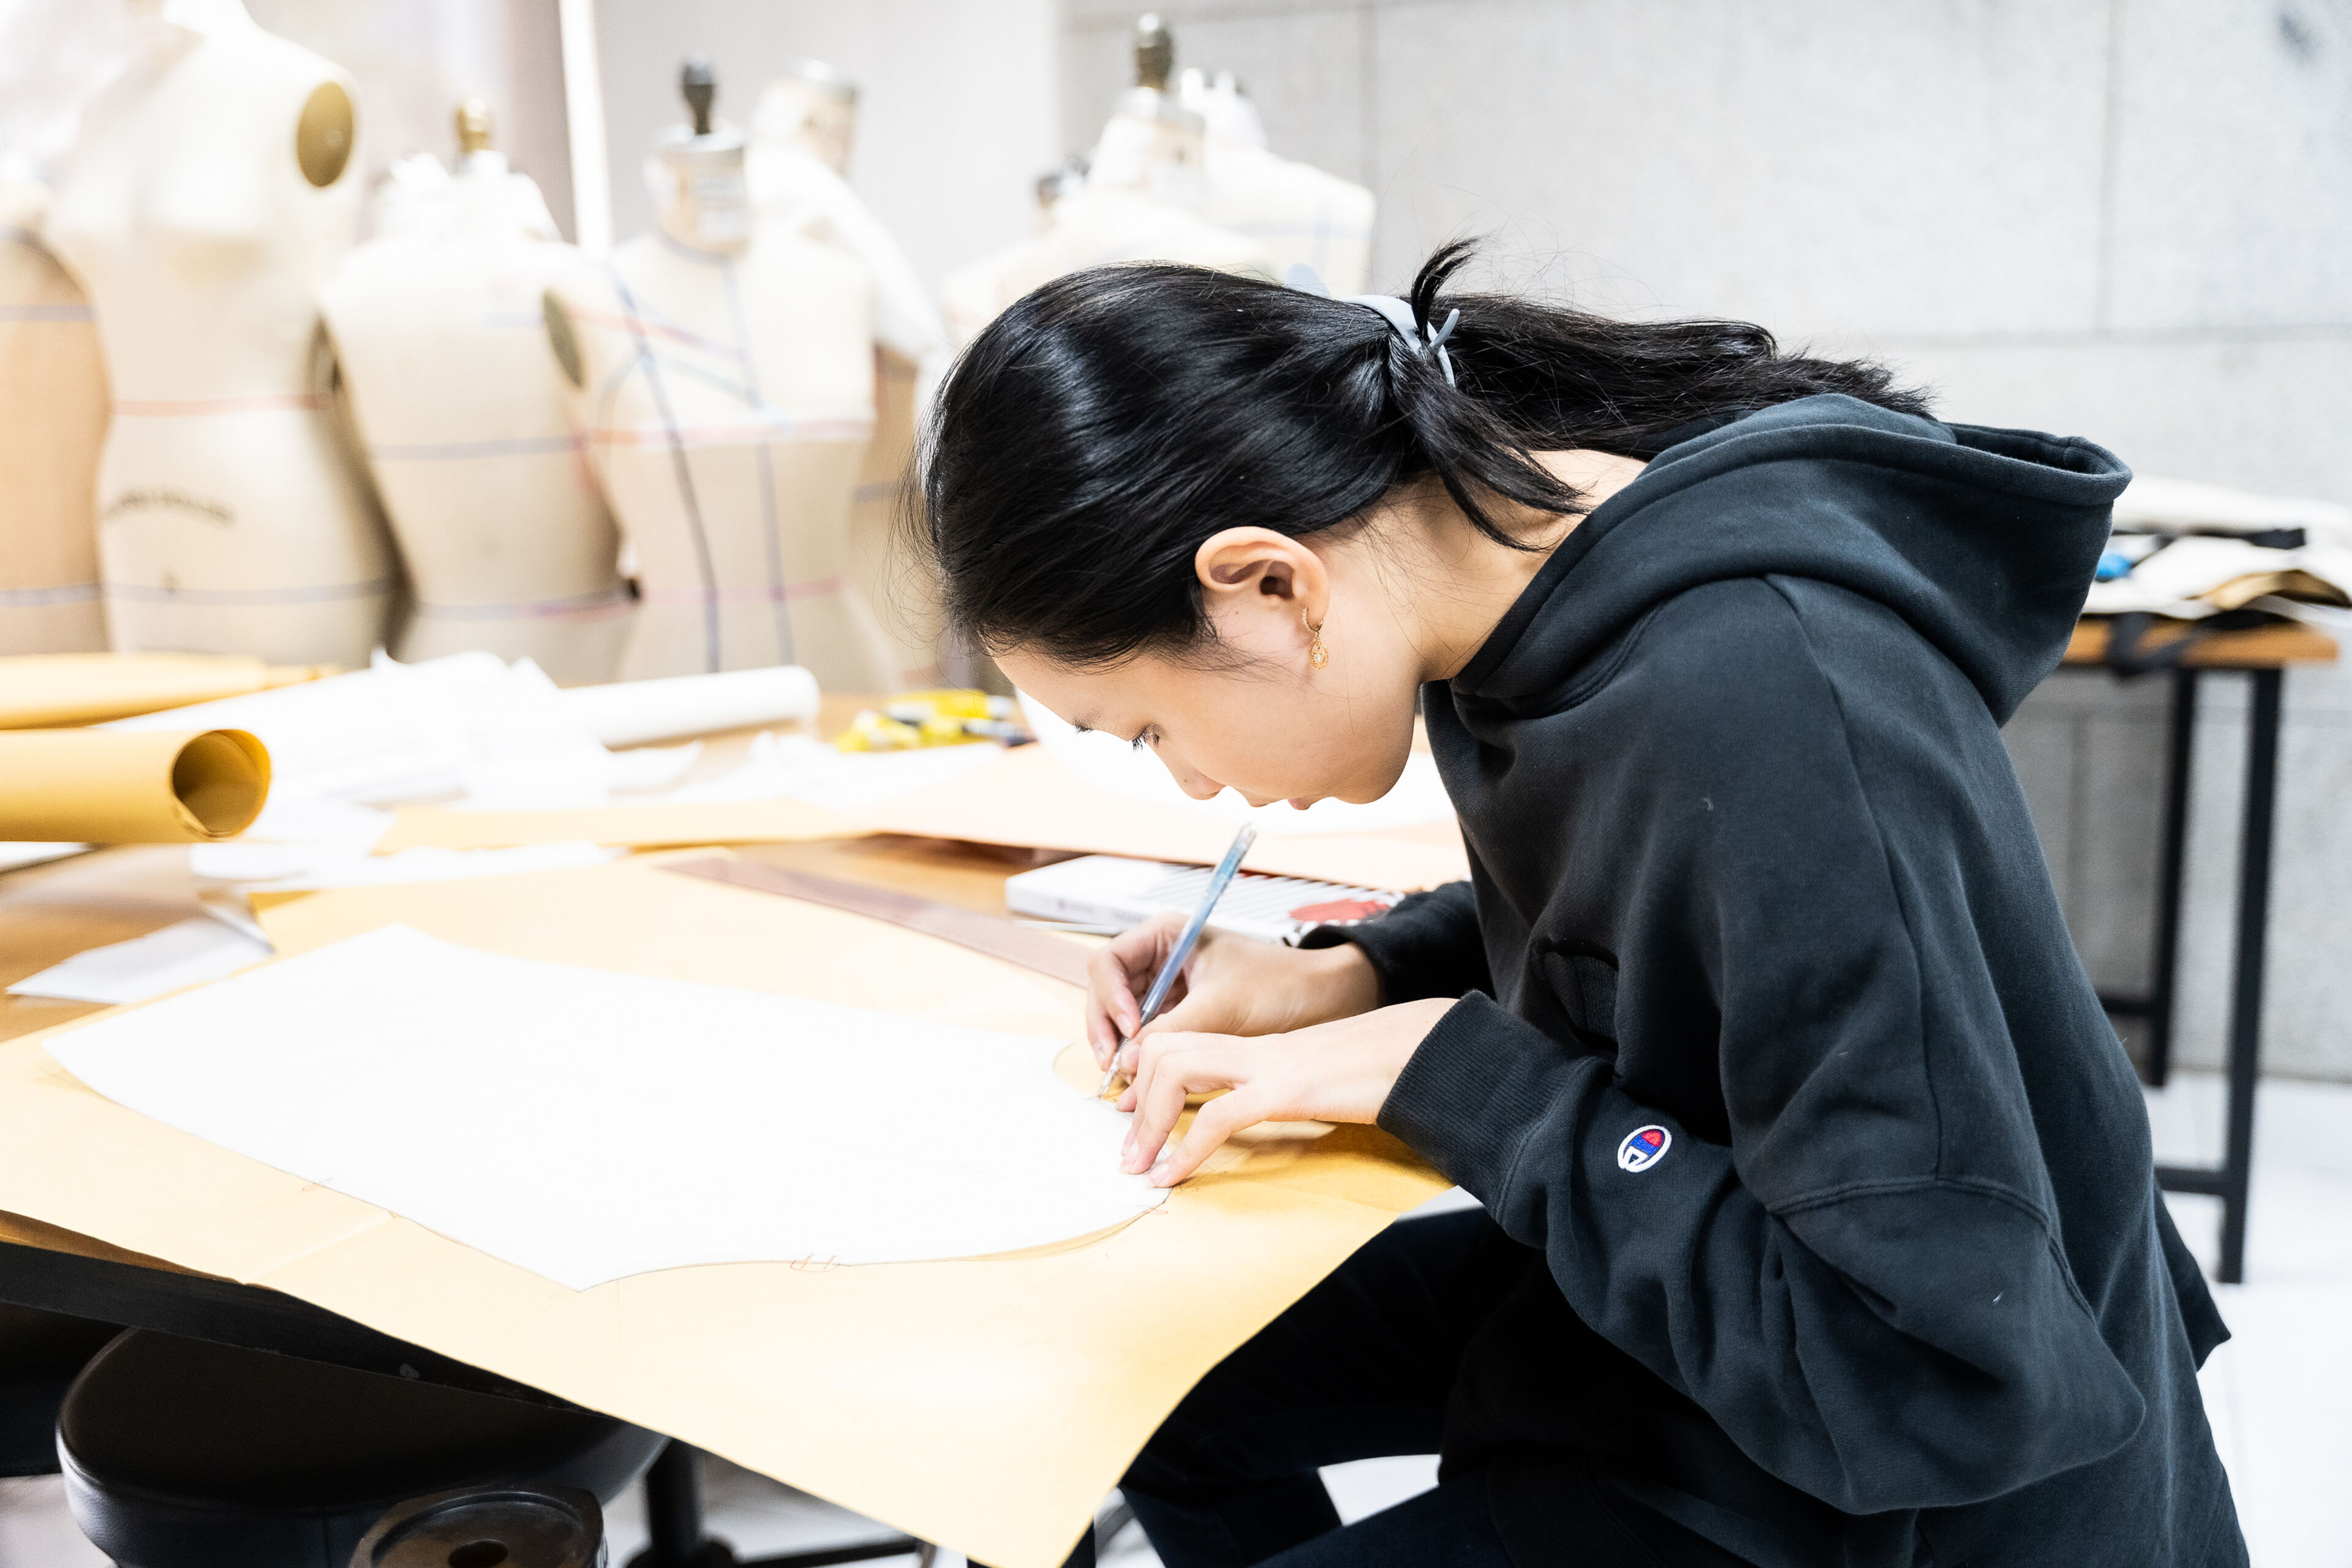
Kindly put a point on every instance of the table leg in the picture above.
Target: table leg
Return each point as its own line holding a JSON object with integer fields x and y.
{"x": 676, "y": 1538}
{"x": 2246, "y": 985}
{"x": 673, "y": 1512}
{"x": 2180, "y": 745}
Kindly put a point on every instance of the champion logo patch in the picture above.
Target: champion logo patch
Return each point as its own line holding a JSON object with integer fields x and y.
{"x": 1643, "y": 1147}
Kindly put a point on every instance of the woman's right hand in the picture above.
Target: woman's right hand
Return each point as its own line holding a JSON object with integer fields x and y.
{"x": 1230, "y": 985}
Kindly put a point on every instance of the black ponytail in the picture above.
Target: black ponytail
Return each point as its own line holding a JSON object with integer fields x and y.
{"x": 1108, "y": 422}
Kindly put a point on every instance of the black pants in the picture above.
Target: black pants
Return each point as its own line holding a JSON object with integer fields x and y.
{"x": 1358, "y": 1369}
{"x": 1362, "y": 1367}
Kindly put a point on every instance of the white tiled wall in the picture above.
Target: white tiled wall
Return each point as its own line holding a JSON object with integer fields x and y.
{"x": 2129, "y": 219}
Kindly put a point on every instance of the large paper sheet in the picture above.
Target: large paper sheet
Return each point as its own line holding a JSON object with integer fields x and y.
{"x": 503, "y": 1102}
{"x": 985, "y": 1405}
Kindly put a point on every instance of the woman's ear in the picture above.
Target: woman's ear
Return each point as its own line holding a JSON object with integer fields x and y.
{"x": 1250, "y": 572}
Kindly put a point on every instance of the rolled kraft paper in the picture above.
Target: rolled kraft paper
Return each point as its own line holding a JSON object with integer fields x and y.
{"x": 129, "y": 787}
{"x": 633, "y": 712}
{"x": 46, "y": 690}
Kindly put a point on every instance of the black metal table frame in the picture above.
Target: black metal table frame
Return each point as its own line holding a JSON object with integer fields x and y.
{"x": 198, "y": 1307}
{"x": 2229, "y": 1180}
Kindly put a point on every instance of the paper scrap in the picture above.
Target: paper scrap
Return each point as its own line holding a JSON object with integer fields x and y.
{"x": 504, "y": 1102}
{"x": 197, "y": 949}
{"x": 15, "y": 853}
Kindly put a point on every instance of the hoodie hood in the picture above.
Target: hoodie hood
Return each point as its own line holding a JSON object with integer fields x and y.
{"x": 1983, "y": 539}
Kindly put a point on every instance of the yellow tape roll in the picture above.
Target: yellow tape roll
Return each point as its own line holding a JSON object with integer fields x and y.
{"x": 116, "y": 786}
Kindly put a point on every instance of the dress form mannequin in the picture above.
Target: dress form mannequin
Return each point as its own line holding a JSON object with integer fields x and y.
{"x": 1141, "y": 202}
{"x": 1151, "y": 142}
{"x": 507, "y": 543}
{"x": 210, "y": 196}
{"x": 52, "y": 423}
{"x": 723, "y": 375}
{"x": 797, "y": 164}
{"x": 1298, "y": 212}
{"x": 813, "y": 107}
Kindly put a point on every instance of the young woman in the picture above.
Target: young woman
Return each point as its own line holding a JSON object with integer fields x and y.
{"x": 1820, "y": 1226}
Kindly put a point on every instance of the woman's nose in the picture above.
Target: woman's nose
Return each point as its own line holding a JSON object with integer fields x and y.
{"x": 1198, "y": 785}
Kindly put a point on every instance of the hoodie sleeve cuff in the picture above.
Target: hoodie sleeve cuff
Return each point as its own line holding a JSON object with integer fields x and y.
{"x": 1478, "y": 1083}
{"x": 1429, "y": 945}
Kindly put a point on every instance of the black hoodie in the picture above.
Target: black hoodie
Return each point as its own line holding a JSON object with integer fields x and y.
{"x": 1846, "y": 1244}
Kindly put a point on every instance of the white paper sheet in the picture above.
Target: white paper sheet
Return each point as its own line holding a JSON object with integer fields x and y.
{"x": 197, "y": 949}
{"x": 588, "y": 1125}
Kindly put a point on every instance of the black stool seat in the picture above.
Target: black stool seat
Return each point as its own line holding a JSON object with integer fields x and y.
{"x": 489, "y": 1527}
{"x": 181, "y": 1454}
{"x": 40, "y": 1355}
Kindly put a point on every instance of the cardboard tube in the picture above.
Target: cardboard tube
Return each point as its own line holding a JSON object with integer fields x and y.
{"x": 46, "y": 690}
{"x": 129, "y": 786}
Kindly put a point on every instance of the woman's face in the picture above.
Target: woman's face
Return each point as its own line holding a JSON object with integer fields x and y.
{"x": 1263, "y": 720}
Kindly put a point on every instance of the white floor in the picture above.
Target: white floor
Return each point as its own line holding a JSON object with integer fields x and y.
{"x": 2279, "y": 1395}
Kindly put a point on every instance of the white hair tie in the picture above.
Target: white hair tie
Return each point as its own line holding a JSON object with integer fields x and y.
{"x": 1421, "y": 341}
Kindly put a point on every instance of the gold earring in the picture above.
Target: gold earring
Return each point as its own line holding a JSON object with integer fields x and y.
{"x": 1316, "y": 654}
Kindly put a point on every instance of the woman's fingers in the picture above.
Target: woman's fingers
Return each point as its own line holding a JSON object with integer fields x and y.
{"x": 1218, "y": 1121}
{"x": 1343, "y": 1070}
{"x": 1118, "y": 975}
{"x": 1191, "y": 1012}
{"x": 1105, "y": 981}
{"x": 1170, "y": 1069}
